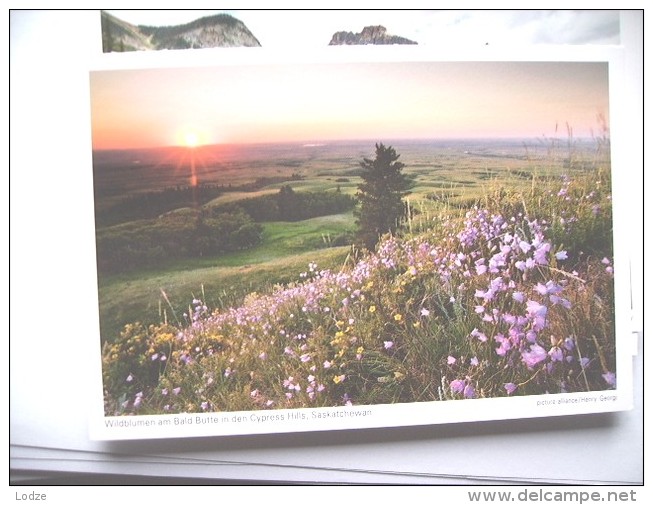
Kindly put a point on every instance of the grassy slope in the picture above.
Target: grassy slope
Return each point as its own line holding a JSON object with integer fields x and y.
{"x": 285, "y": 253}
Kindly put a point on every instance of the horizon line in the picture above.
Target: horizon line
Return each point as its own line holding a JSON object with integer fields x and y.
{"x": 321, "y": 143}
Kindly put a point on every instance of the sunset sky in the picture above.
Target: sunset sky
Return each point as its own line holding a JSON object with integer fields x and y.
{"x": 321, "y": 102}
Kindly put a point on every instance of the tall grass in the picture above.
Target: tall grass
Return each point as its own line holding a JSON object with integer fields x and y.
{"x": 510, "y": 295}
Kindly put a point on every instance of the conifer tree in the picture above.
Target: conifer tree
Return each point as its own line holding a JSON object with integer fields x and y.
{"x": 380, "y": 196}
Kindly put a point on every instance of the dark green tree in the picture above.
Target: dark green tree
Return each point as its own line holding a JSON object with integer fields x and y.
{"x": 289, "y": 204}
{"x": 380, "y": 196}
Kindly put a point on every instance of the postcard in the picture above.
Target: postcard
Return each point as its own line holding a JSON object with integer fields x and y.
{"x": 355, "y": 239}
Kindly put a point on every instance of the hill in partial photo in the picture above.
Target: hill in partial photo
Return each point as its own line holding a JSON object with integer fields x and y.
{"x": 221, "y": 30}
{"x": 369, "y": 35}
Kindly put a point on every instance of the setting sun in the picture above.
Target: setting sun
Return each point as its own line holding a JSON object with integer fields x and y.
{"x": 191, "y": 139}
{"x": 191, "y": 136}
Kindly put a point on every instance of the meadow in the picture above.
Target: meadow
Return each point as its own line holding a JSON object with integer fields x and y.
{"x": 499, "y": 283}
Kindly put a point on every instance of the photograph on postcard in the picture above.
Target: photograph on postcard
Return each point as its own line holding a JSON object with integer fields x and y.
{"x": 215, "y": 29}
{"x": 279, "y": 237}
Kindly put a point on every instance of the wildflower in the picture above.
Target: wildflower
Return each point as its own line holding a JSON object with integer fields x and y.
{"x": 469, "y": 392}
{"x": 388, "y": 344}
{"x": 541, "y": 288}
{"x": 451, "y": 360}
{"x": 254, "y": 393}
{"x": 529, "y": 264}
{"x": 524, "y": 246}
{"x": 556, "y": 354}
{"x": 610, "y": 378}
{"x": 154, "y": 356}
{"x": 478, "y": 334}
{"x": 204, "y": 405}
{"x": 372, "y": 308}
{"x": 518, "y": 296}
{"x": 263, "y": 356}
{"x": 305, "y": 357}
{"x": 486, "y": 295}
{"x": 540, "y": 253}
{"x": 129, "y": 378}
{"x": 338, "y": 379}
{"x": 425, "y": 312}
{"x": 531, "y": 336}
{"x": 457, "y": 386}
{"x": 397, "y": 317}
{"x": 556, "y": 300}
{"x": 537, "y": 312}
{"x": 327, "y": 364}
{"x": 561, "y": 255}
{"x": 164, "y": 391}
{"x": 510, "y": 387}
{"x": 473, "y": 361}
{"x": 536, "y": 355}
{"x": 176, "y": 391}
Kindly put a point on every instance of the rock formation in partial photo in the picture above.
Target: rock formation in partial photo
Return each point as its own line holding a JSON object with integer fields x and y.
{"x": 369, "y": 35}
{"x": 221, "y": 30}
